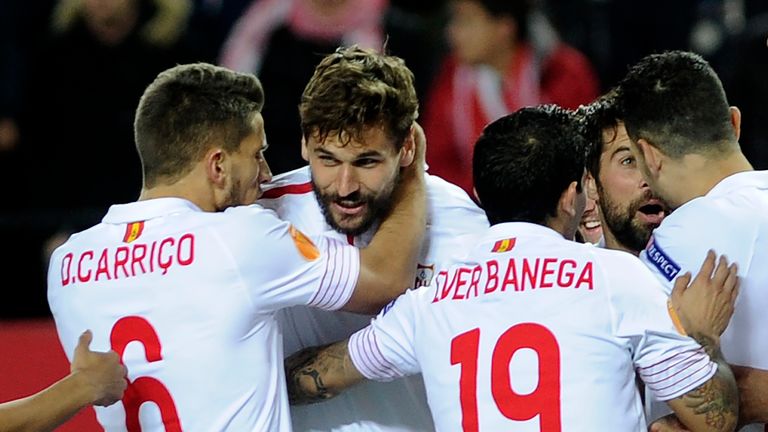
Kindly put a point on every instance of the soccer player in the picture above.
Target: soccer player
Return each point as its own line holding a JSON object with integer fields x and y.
{"x": 685, "y": 137}
{"x": 184, "y": 283}
{"x": 356, "y": 113}
{"x": 529, "y": 331}
{"x": 95, "y": 379}
{"x": 629, "y": 211}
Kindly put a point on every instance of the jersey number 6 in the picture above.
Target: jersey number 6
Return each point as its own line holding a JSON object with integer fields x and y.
{"x": 543, "y": 401}
{"x": 143, "y": 389}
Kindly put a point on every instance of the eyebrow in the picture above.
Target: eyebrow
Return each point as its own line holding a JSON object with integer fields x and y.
{"x": 367, "y": 154}
{"x": 619, "y": 150}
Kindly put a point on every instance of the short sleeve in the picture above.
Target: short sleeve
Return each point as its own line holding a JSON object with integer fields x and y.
{"x": 385, "y": 349}
{"x": 289, "y": 268}
{"x": 669, "y": 363}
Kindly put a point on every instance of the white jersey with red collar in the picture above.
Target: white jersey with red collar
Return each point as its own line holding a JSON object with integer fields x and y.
{"x": 531, "y": 332}
{"x": 732, "y": 219}
{"x": 396, "y": 406}
{"x": 188, "y": 299}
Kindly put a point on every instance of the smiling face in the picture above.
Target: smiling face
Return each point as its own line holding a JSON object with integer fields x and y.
{"x": 353, "y": 181}
{"x": 629, "y": 210}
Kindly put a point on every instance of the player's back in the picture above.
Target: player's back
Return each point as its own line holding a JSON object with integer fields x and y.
{"x": 530, "y": 332}
{"x": 169, "y": 294}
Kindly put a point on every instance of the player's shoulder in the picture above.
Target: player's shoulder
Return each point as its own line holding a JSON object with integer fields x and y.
{"x": 291, "y": 183}
{"x": 449, "y": 204}
{"x": 613, "y": 259}
{"x": 442, "y": 193}
{"x": 706, "y": 218}
{"x": 254, "y": 213}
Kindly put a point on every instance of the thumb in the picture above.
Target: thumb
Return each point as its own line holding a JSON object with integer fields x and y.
{"x": 681, "y": 284}
{"x": 84, "y": 342}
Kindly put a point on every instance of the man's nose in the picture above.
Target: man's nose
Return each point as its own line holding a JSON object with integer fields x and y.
{"x": 265, "y": 173}
{"x": 347, "y": 181}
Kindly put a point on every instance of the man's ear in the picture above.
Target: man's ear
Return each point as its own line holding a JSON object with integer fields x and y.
{"x": 591, "y": 185}
{"x": 652, "y": 156}
{"x": 474, "y": 193}
{"x": 568, "y": 199}
{"x": 304, "y": 149}
{"x": 215, "y": 166}
{"x": 408, "y": 152}
{"x": 736, "y": 121}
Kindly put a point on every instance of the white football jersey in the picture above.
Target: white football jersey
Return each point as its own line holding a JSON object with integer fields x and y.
{"x": 188, "y": 299}
{"x": 732, "y": 219}
{"x": 532, "y": 332}
{"x": 401, "y": 406}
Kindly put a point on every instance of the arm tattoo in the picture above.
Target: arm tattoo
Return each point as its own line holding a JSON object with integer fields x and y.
{"x": 714, "y": 399}
{"x": 310, "y": 371}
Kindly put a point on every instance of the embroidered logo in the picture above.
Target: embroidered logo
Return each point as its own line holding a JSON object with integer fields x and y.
{"x": 661, "y": 260}
{"x": 306, "y": 248}
{"x": 424, "y": 273}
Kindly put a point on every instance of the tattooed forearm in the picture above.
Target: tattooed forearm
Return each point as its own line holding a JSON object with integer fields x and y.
{"x": 319, "y": 373}
{"x": 716, "y": 401}
{"x": 710, "y": 345}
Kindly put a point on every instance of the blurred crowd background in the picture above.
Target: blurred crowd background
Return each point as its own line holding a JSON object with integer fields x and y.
{"x": 72, "y": 72}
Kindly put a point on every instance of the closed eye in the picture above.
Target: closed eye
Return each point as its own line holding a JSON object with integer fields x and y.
{"x": 367, "y": 162}
{"x": 327, "y": 160}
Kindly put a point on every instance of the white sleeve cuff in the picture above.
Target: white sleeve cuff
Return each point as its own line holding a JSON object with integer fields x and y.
{"x": 368, "y": 358}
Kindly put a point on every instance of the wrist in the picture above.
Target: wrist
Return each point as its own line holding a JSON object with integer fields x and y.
{"x": 81, "y": 388}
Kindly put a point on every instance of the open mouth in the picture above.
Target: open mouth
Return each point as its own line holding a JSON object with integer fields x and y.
{"x": 349, "y": 208}
{"x": 652, "y": 212}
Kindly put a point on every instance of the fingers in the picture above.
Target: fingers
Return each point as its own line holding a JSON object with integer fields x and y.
{"x": 84, "y": 342}
{"x": 721, "y": 272}
{"x": 681, "y": 284}
{"x": 708, "y": 265}
{"x": 732, "y": 283}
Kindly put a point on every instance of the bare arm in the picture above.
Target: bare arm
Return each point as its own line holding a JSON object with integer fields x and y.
{"x": 318, "y": 373}
{"x": 96, "y": 379}
{"x": 388, "y": 264}
{"x": 714, "y": 405}
{"x": 753, "y": 394}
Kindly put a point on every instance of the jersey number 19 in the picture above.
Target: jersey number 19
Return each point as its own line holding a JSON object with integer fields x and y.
{"x": 544, "y": 401}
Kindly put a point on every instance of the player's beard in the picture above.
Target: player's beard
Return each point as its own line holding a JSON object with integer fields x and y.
{"x": 628, "y": 231}
{"x": 376, "y": 207}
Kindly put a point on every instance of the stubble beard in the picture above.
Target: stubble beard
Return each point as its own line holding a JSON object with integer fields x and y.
{"x": 376, "y": 207}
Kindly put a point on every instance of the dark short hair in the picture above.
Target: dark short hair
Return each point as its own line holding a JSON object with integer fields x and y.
{"x": 676, "y": 101}
{"x": 523, "y": 162}
{"x": 188, "y": 109}
{"x": 518, "y": 10}
{"x": 355, "y": 88}
{"x": 600, "y": 115}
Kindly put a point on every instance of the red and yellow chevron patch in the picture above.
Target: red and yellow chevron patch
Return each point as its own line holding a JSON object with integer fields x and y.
{"x": 505, "y": 245}
{"x": 132, "y": 231}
